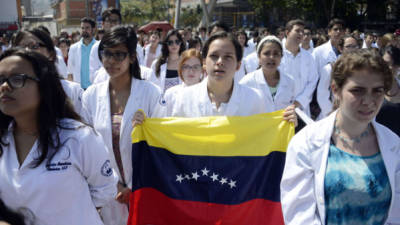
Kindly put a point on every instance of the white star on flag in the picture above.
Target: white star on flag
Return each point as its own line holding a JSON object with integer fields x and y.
{"x": 232, "y": 184}
{"x": 223, "y": 181}
{"x": 195, "y": 175}
{"x": 187, "y": 176}
{"x": 179, "y": 178}
{"x": 205, "y": 171}
{"x": 214, "y": 177}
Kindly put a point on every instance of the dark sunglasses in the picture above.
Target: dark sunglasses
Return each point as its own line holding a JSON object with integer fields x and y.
{"x": 16, "y": 80}
{"x": 118, "y": 56}
{"x": 177, "y": 42}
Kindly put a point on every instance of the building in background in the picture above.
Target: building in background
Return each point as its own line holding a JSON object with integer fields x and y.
{"x": 68, "y": 13}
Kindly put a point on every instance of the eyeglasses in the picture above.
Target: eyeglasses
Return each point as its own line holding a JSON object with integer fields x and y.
{"x": 116, "y": 21}
{"x": 17, "y": 80}
{"x": 351, "y": 46}
{"x": 33, "y": 46}
{"x": 118, "y": 56}
{"x": 177, "y": 42}
{"x": 196, "y": 67}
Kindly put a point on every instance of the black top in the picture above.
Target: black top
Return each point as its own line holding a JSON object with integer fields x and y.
{"x": 389, "y": 116}
{"x": 171, "y": 74}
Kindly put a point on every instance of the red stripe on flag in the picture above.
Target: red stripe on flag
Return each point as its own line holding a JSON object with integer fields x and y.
{"x": 149, "y": 206}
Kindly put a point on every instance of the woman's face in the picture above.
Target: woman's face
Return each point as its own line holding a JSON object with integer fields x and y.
{"x": 270, "y": 57}
{"x": 242, "y": 39}
{"x": 388, "y": 59}
{"x": 116, "y": 61}
{"x": 221, "y": 62}
{"x": 154, "y": 39}
{"x": 22, "y": 101}
{"x": 33, "y": 43}
{"x": 64, "y": 49}
{"x": 173, "y": 44}
{"x": 191, "y": 71}
{"x": 361, "y": 96}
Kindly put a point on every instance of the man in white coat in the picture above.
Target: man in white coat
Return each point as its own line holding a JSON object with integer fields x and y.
{"x": 78, "y": 55}
{"x": 300, "y": 64}
{"x": 328, "y": 52}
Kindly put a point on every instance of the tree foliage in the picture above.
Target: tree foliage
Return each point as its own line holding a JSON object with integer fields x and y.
{"x": 143, "y": 11}
{"x": 277, "y": 12}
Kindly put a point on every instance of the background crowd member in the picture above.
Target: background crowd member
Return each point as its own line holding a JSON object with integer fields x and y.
{"x": 109, "y": 18}
{"x": 324, "y": 94}
{"x": 300, "y": 64}
{"x": 153, "y": 50}
{"x": 328, "y": 52}
{"x": 190, "y": 70}
{"x": 59, "y": 164}
{"x": 307, "y": 43}
{"x": 109, "y": 107}
{"x": 75, "y": 37}
{"x": 203, "y": 34}
{"x": 241, "y": 36}
{"x": 390, "y": 111}
{"x": 79, "y": 54}
{"x": 217, "y": 26}
{"x": 99, "y": 34}
{"x": 165, "y": 68}
{"x": 344, "y": 166}
{"x": 195, "y": 43}
{"x": 64, "y": 45}
{"x": 368, "y": 40}
{"x": 277, "y": 88}
{"x": 39, "y": 41}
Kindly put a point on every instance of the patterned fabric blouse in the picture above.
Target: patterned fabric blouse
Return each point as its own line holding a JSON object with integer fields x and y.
{"x": 357, "y": 189}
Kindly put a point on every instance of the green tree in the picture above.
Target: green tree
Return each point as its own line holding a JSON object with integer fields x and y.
{"x": 191, "y": 16}
{"x": 143, "y": 11}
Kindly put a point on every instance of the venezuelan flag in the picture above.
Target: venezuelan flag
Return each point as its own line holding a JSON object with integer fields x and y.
{"x": 209, "y": 170}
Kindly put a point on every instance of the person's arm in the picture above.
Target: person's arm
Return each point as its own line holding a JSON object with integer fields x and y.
{"x": 299, "y": 205}
{"x": 70, "y": 65}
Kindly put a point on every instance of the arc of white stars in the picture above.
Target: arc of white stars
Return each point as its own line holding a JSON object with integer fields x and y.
{"x": 187, "y": 176}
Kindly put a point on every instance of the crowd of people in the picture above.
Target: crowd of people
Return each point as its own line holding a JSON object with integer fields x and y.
{"x": 69, "y": 103}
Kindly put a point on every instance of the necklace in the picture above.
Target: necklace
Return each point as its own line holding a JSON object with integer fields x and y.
{"x": 346, "y": 140}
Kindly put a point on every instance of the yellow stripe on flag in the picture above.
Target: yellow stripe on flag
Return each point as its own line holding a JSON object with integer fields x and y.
{"x": 217, "y": 135}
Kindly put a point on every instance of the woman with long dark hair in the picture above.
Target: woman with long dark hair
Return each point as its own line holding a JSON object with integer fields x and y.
{"x": 50, "y": 162}
{"x": 39, "y": 41}
{"x": 110, "y": 105}
{"x": 165, "y": 68}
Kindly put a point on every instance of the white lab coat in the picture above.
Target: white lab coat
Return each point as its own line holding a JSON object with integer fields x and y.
{"x": 94, "y": 61}
{"x": 96, "y": 104}
{"x": 323, "y": 55}
{"x": 324, "y": 93}
{"x": 303, "y": 69}
{"x": 302, "y": 185}
{"x": 248, "y": 50}
{"x": 139, "y": 54}
{"x": 61, "y": 67}
{"x": 74, "y": 93}
{"x": 241, "y": 72}
{"x": 78, "y": 180}
{"x": 58, "y": 52}
{"x": 102, "y": 75}
{"x": 146, "y": 50}
{"x": 159, "y": 81}
{"x": 167, "y": 101}
{"x": 74, "y": 61}
{"x": 251, "y": 62}
{"x": 194, "y": 101}
{"x": 285, "y": 94}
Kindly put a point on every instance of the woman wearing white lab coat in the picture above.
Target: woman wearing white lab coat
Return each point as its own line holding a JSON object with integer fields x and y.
{"x": 165, "y": 68}
{"x": 346, "y": 167}
{"x": 109, "y": 106}
{"x": 277, "y": 88}
{"x": 218, "y": 93}
{"x": 39, "y": 41}
{"x": 190, "y": 71}
{"x": 51, "y": 164}
{"x": 153, "y": 50}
